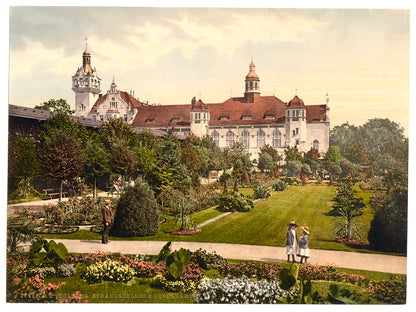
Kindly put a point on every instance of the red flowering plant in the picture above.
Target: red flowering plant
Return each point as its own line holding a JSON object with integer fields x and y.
{"x": 391, "y": 291}
{"x": 329, "y": 272}
{"x": 32, "y": 290}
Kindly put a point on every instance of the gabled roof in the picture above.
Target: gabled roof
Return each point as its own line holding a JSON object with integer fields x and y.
{"x": 125, "y": 96}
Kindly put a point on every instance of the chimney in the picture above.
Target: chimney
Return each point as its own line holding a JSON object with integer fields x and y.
{"x": 193, "y": 102}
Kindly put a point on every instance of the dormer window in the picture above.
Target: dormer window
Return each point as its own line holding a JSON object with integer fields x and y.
{"x": 175, "y": 120}
{"x": 269, "y": 117}
{"x": 246, "y": 117}
{"x": 150, "y": 120}
{"x": 224, "y": 117}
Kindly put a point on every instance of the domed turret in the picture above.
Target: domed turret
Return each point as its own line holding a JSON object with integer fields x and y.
{"x": 252, "y": 84}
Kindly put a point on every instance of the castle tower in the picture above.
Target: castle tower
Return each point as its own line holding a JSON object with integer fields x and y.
{"x": 295, "y": 124}
{"x": 252, "y": 92}
{"x": 199, "y": 118}
{"x": 86, "y": 85}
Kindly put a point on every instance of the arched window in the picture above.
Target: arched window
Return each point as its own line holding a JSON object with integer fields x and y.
{"x": 216, "y": 138}
{"x": 260, "y": 138}
{"x": 316, "y": 144}
{"x": 277, "y": 138}
{"x": 230, "y": 139}
{"x": 245, "y": 138}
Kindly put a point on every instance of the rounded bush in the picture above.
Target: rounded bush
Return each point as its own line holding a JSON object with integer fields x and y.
{"x": 136, "y": 213}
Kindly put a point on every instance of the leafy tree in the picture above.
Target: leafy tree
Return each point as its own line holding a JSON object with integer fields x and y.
{"x": 97, "y": 160}
{"x": 357, "y": 152}
{"x": 347, "y": 206}
{"x": 59, "y": 106}
{"x": 271, "y": 151}
{"x": 62, "y": 125}
{"x": 335, "y": 171}
{"x": 170, "y": 161}
{"x": 333, "y": 154}
{"x": 238, "y": 158}
{"x": 343, "y": 135}
{"x": 23, "y": 164}
{"x": 266, "y": 162}
{"x": 136, "y": 213}
{"x": 388, "y": 230}
{"x": 293, "y": 154}
{"x": 123, "y": 161}
{"x": 61, "y": 159}
{"x": 305, "y": 169}
{"x": 379, "y": 134}
{"x": 116, "y": 130}
{"x": 313, "y": 154}
{"x": 293, "y": 168}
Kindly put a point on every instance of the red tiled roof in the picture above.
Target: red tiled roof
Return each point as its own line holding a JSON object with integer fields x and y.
{"x": 125, "y": 96}
{"x": 163, "y": 116}
{"x": 228, "y": 113}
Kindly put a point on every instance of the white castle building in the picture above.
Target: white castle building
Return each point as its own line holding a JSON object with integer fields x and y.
{"x": 89, "y": 102}
{"x": 253, "y": 119}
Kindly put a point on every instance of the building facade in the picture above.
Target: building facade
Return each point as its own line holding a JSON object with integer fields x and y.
{"x": 254, "y": 120}
{"x": 90, "y": 103}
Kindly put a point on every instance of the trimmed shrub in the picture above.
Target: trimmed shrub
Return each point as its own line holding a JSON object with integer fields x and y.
{"x": 235, "y": 202}
{"x": 136, "y": 213}
{"x": 279, "y": 186}
{"x": 261, "y": 192}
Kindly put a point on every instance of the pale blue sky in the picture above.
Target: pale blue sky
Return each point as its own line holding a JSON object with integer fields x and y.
{"x": 168, "y": 55}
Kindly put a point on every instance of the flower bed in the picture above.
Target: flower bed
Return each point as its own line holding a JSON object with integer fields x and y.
{"x": 390, "y": 291}
{"x": 241, "y": 290}
{"x": 108, "y": 270}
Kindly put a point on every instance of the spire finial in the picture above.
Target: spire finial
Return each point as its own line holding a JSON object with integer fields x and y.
{"x": 296, "y": 92}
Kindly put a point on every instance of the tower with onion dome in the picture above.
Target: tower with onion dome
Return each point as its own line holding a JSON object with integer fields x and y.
{"x": 252, "y": 90}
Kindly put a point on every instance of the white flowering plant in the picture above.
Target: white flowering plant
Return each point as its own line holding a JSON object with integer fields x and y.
{"x": 243, "y": 290}
{"x": 108, "y": 270}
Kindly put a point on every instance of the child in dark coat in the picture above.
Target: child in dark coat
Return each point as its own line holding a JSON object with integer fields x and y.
{"x": 304, "y": 245}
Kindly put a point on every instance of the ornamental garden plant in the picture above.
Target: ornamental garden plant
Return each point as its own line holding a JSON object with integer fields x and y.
{"x": 206, "y": 277}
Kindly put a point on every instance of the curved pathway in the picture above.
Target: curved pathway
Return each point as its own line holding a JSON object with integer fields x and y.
{"x": 341, "y": 259}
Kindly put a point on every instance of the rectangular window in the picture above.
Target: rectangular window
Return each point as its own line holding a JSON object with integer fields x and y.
{"x": 224, "y": 117}
{"x": 101, "y": 118}
{"x": 297, "y": 142}
{"x": 269, "y": 117}
{"x": 175, "y": 120}
{"x": 125, "y": 117}
{"x": 297, "y": 130}
{"x": 246, "y": 117}
{"x": 150, "y": 120}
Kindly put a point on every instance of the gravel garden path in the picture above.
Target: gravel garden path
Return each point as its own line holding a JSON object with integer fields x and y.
{"x": 341, "y": 259}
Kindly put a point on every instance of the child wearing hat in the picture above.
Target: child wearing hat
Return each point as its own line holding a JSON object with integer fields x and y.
{"x": 304, "y": 245}
{"x": 291, "y": 241}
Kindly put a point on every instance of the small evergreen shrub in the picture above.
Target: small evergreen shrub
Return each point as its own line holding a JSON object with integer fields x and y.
{"x": 261, "y": 192}
{"x": 235, "y": 202}
{"x": 279, "y": 186}
{"x": 136, "y": 213}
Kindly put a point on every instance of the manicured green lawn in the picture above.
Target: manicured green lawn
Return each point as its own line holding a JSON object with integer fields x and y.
{"x": 266, "y": 224}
